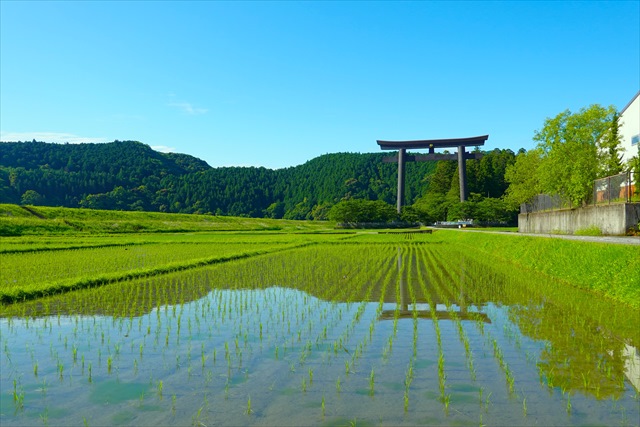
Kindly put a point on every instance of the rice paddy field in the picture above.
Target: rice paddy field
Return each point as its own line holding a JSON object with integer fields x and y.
{"x": 268, "y": 328}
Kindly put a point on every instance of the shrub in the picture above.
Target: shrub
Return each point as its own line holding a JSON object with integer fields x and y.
{"x": 358, "y": 210}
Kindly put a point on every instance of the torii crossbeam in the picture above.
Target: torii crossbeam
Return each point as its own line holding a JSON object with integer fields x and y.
{"x": 432, "y": 144}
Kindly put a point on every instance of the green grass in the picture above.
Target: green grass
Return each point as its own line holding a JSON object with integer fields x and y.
{"x": 606, "y": 269}
{"x": 39, "y": 220}
{"x": 589, "y": 231}
{"x": 508, "y": 229}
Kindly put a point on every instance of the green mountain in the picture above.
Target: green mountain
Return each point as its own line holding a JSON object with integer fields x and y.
{"x": 129, "y": 175}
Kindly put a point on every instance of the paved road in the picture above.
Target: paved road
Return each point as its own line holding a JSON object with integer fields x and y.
{"x": 618, "y": 240}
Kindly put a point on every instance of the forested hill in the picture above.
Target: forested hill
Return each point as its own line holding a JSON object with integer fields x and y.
{"x": 129, "y": 175}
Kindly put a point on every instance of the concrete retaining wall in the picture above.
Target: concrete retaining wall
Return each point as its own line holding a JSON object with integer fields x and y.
{"x": 615, "y": 219}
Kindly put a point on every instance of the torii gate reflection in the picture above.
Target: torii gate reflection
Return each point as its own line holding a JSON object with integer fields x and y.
{"x": 408, "y": 312}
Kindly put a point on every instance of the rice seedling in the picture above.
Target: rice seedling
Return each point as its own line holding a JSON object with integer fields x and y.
{"x": 249, "y": 410}
{"x": 18, "y": 396}
{"x": 372, "y": 382}
{"x": 447, "y": 401}
{"x": 487, "y": 402}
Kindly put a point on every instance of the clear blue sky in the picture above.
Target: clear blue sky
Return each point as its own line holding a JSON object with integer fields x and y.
{"x": 277, "y": 84}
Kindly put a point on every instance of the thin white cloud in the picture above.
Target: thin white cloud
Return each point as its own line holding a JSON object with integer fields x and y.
{"x": 163, "y": 148}
{"x": 56, "y": 137}
{"x": 187, "y": 108}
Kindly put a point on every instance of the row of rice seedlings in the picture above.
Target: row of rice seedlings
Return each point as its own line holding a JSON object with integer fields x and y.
{"x": 106, "y": 272}
{"x": 112, "y": 355}
{"x": 437, "y": 279}
{"x": 393, "y": 276}
{"x": 445, "y": 398}
{"x": 355, "y": 293}
{"x": 410, "y": 274}
{"x": 428, "y": 259}
{"x": 497, "y": 351}
{"x": 24, "y": 269}
{"x": 306, "y": 349}
{"x": 375, "y": 283}
{"x": 340, "y": 344}
{"x": 360, "y": 348}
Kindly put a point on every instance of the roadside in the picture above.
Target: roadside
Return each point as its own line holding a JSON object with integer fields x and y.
{"x": 617, "y": 240}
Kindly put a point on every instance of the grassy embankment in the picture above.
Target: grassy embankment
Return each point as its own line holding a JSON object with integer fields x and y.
{"x": 38, "y": 220}
{"x": 604, "y": 269}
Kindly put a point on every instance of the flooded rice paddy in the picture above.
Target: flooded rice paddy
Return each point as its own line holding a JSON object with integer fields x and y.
{"x": 330, "y": 334}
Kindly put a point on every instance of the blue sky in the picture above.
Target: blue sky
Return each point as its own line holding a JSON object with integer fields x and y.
{"x": 277, "y": 84}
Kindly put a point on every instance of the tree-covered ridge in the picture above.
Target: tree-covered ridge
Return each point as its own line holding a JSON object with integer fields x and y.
{"x": 129, "y": 175}
{"x": 132, "y": 159}
{"x": 64, "y": 174}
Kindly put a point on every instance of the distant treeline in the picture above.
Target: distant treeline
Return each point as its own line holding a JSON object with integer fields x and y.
{"x": 129, "y": 175}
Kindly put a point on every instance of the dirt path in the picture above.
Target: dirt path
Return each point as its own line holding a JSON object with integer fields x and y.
{"x": 32, "y": 212}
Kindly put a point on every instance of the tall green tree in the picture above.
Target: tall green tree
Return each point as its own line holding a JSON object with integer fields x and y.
{"x": 570, "y": 144}
{"x": 610, "y": 152}
{"x": 31, "y": 197}
{"x": 523, "y": 178}
{"x": 634, "y": 166}
{"x": 432, "y": 207}
{"x": 439, "y": 182}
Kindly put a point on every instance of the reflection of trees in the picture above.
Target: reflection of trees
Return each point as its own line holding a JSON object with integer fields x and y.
{"x": 580, "y": 355}
{"x": 586, "y": 336}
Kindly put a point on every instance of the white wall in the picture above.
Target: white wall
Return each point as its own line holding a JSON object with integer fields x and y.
{"x": 630, "y": 128}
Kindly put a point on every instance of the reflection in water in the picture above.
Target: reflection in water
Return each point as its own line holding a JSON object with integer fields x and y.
{"x": 275, "y": 323}
{"x": 405, "y": 307}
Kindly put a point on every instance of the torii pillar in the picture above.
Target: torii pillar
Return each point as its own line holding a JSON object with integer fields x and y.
{"x": 432, "y": 144}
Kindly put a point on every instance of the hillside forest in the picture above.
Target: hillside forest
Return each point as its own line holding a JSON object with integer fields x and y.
{"x": 129, "y": 175}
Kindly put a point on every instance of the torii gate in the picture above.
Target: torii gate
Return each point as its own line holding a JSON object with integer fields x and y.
{"x": 432, "y": 144}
